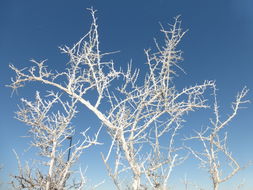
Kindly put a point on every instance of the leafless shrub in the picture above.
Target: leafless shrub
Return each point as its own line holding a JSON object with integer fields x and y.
{"x": 214, "y": 141}
{"x": 49, "y": 131}
{"x": 138, "y": 115}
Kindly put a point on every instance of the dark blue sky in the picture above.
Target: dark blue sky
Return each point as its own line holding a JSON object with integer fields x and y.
{"x": 218, "y": 46}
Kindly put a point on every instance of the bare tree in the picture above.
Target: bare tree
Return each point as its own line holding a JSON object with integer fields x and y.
{"x": 214, "y": 141}
{"x": 146, "y": 114}
{"x": 142, "y": 118}
{"x": 50, "y": 129}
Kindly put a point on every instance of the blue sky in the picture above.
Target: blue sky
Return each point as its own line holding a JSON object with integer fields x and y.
{"x": 218, "y": 46}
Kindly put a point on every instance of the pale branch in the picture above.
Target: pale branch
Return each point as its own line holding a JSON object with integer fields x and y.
{"x": 214, "y": 145}
{"x": 137, "y": 115}
{"x": 50, "y": 129}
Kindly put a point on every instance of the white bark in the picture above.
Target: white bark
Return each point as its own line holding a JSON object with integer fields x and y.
{"x": 215, "y": 143}
{"x": 139, "y": 114}
{"x": 50, "y": 130}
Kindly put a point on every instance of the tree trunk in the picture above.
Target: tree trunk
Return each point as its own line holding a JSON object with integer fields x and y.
{"x": 51, "y": 166}
{"x": 136, "y": 182}
{"x": 215, "y": 186}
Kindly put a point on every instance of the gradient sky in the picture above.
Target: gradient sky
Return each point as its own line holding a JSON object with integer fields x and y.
{"x": 218, "y": 46}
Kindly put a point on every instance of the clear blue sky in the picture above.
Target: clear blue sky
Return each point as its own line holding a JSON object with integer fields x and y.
{"x": 218, "y": 46}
